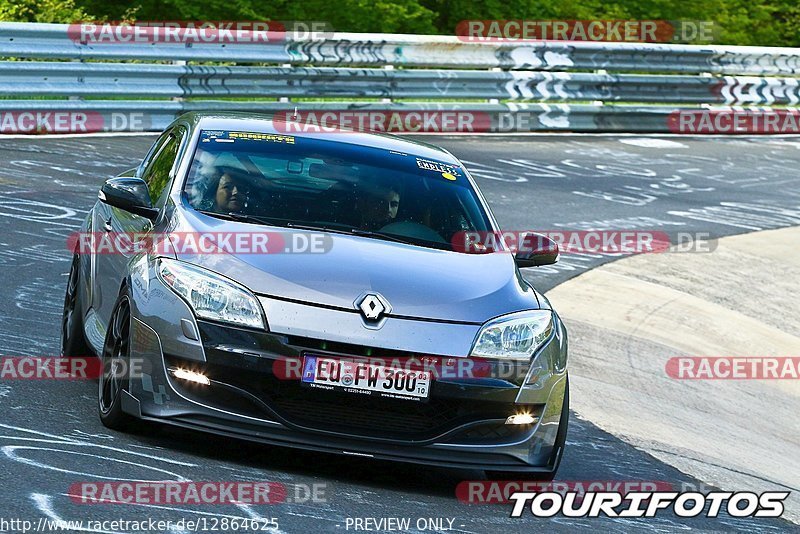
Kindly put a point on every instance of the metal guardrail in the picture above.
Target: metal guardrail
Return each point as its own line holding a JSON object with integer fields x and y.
{"x": 189, "y": 81}
{"x": 52, "y": 41}
{"x": 552, "y": 82}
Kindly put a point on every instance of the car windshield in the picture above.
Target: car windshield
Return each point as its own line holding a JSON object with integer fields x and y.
{"x": 299, "y": 182}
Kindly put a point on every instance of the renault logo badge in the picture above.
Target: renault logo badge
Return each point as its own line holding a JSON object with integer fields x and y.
{"x": 372, "y": 306}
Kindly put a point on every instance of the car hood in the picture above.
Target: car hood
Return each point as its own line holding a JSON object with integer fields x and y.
{"x": 417, "y": 282}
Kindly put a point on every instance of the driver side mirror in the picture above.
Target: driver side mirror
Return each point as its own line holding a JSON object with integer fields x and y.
{"x": 129, "y": 194}
{"x": 535, "y": 250}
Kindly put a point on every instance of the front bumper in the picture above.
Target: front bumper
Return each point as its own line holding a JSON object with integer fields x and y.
{"x": 461, "y": 425}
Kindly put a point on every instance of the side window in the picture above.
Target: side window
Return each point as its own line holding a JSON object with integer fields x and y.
{"x": 157, "y": 171}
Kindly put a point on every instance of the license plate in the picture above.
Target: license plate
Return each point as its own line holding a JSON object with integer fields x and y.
{"x": 364, "y": 378}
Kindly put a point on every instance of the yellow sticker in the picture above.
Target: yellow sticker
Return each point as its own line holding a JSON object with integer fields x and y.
{"x": 275, "y": 138}
{"x": 448, "y": 176}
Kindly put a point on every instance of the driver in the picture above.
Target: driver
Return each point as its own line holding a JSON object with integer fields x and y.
{"x": 378, "y": 207}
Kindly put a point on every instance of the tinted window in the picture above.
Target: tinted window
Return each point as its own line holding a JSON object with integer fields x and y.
{"x": 286, "y": 180}
{"x": 157, "y": 171}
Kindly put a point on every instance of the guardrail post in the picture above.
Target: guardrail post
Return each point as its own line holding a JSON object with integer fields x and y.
{"x": 182, "y": 63}
{"x": 495, "y": 100}
{"x": 285, "y": 99}
{"x": 387, "y": 100}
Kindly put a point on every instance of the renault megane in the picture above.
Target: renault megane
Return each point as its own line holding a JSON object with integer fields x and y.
{"x": 359, "y": 326}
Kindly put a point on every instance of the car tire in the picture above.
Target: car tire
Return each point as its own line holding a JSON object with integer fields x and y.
{"x": 73, "y": 342}
{"x": 561, "y": 440}
{"x": 116, "y": 351}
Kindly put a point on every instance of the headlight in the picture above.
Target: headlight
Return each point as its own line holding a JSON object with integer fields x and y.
{"x": 210, "y": 295}
{"x": 515, "y": 336}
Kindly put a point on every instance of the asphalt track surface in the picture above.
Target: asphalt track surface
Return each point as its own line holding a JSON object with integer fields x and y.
{"x": 51, "y": 437}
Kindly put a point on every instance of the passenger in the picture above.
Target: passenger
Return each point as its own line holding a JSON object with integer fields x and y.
{"x": 231, "y": 194}
{"x": 225, "y": 192}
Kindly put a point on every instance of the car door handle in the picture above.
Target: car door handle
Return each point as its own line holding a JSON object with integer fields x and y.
{"x": 107, "y": 226}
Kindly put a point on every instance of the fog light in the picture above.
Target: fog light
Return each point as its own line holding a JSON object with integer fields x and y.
{"x": 191, "y": 376}
{"x": 521, "y": 419}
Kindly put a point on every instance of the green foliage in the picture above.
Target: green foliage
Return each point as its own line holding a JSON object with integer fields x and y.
{"x": 746, "y": 22}
{"x": 40, "y": 11}
{"x": 385, "y": 16}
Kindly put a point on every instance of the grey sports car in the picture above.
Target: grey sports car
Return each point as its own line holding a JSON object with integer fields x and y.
{"x": 309, "y": 290}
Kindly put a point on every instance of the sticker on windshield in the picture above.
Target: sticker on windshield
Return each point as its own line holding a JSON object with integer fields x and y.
{"x": 219, "y": 136}
{"x": 439, "y": 167}
{"x": 211, "y": 135}
{"x": 274, "y": 138}
{"x": 448, "y": 176}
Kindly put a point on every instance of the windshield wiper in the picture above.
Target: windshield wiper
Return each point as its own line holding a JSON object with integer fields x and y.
{"x": 348, "y": 230}
{"x": 244, "y": 217}
{"x": 378, "y": 235}
{"x": 259, "y": 219}
{"x": 276, "y": 221}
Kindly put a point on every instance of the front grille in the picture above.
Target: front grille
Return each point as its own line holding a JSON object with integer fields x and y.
{"x": 374, "y": 416}
{"x": 333, "y": 411}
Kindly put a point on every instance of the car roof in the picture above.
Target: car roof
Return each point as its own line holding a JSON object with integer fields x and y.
{"x": 263, "y": 123}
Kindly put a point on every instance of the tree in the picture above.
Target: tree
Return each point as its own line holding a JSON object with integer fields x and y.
{"x": 40, "y": 11}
